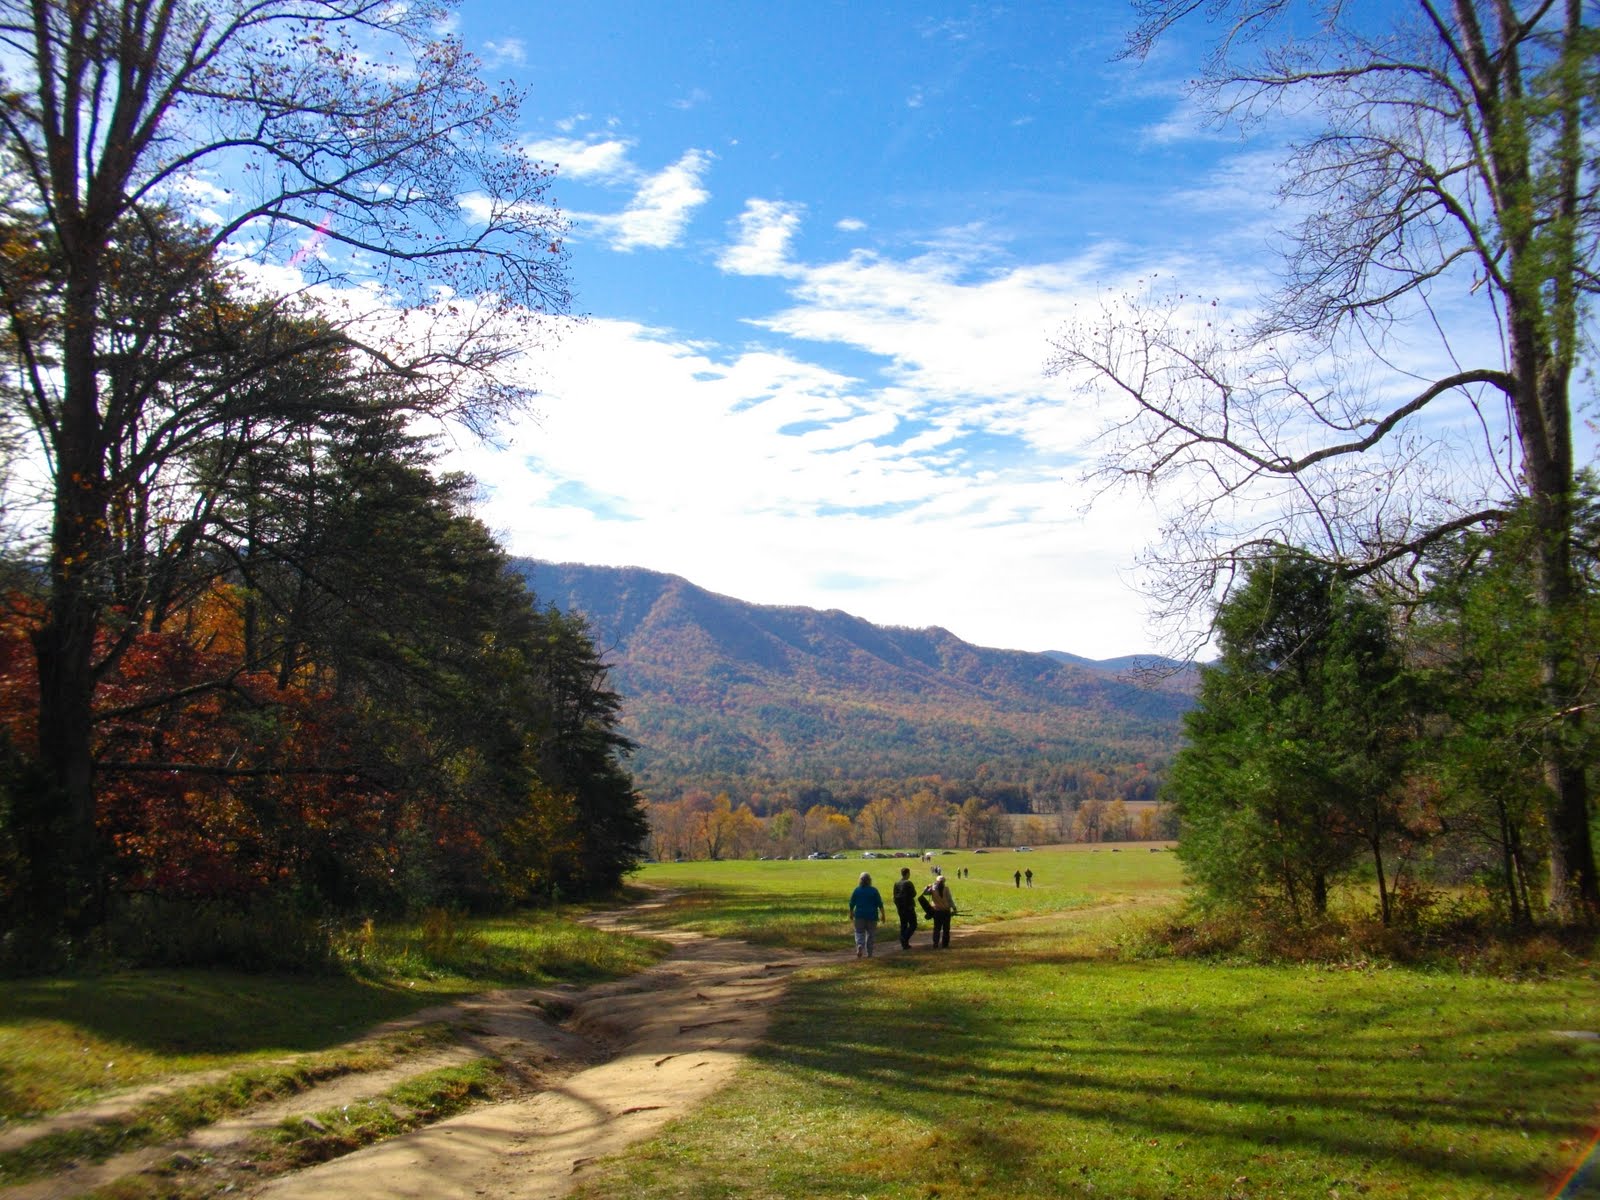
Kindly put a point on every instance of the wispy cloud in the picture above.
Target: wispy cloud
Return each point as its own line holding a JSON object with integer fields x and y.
{"x": 765, "y": 230}
{"x": 603, "y": 160}
{"x": 663, "y": 201}
{"x": 510, "y": 52}
{"x": 661, "y": 209}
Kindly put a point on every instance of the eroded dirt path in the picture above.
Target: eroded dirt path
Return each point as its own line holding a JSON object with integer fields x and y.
{"x": 679, "y": 1030}
{"x": 601, "y": 1067}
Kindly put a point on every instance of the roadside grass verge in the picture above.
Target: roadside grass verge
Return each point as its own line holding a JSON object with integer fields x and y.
{"x": 1033, "y": 1063}
{"x": 319, "y": 1137}
{"x": 416, "y": 1102}
{"x": 802, "y": 904}
{"x": 178, "y": 1112}
{"x": 65, "y": 1041}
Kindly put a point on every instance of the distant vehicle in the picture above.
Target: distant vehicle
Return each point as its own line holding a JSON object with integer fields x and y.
{"x": 868, "y": 854}
{"x": 1024, "y": 849}
{"x": 837, "y": 856}
{"x": 980, "y": 852}
{"x": 816, "y": 854}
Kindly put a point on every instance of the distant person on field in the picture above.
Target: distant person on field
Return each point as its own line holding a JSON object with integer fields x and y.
{"x": 943, "y": 906}
{"x": 905, "y": 903}
{"x": 866, "y": 910}
{"x": 1028, "y": 874}
{"x": 1018, "y": 877}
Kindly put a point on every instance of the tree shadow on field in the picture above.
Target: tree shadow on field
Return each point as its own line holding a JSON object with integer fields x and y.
{"x": 762, "y": 917}
{"x": 208, "y": 1012}
{"x": 1335, "y": 1079}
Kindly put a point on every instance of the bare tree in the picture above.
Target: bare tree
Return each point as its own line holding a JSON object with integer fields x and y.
{"x": 349, "y": 132}
{"x": 1450, "y": 188}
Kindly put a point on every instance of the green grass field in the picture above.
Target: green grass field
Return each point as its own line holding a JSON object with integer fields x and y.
{"x": 1040, "y": 1057}
{"x": 66, "y": 1041}
{"x": 802, "y": 904}
{"x": 1032, "y": 1061}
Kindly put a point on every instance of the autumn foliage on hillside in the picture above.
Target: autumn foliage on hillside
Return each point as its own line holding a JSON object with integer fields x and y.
{"x": 216, "y": 781}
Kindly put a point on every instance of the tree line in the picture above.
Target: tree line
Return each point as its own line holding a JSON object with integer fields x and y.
{"x": 1345, "y": 735}
{"x": 701, "y": 826}
{"x": 1376, "y": 503}
{"x": 1038, "y": 785}
{"x": 257, "y": 648}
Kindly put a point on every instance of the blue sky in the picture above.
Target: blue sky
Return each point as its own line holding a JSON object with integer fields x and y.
{"x": 820, "y": 250}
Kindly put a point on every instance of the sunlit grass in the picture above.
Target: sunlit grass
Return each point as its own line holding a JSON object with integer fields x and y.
{"x": 802, "y": 904}
{"x": 64, "y": 1041}
{"x": 1032, "y": 1064}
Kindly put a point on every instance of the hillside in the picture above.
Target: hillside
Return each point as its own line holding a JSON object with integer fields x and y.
{"x": 718, "y": 690}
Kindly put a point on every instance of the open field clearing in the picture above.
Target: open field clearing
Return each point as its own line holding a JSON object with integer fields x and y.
{"x": 1039, "y": 1056}
{"x": 1032, "y": 1061}
{"x": 802, "y": 903}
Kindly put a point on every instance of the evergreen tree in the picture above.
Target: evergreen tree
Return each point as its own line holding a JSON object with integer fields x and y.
{"x": 1296, "y": 745}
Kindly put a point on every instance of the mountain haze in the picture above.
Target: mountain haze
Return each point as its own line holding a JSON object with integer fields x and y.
{"x": 716, "y": 689}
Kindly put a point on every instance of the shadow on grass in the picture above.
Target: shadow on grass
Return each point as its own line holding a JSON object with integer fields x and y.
{"x": 765, "y": 918}
{"x": 211, "y": 1012}
{"x": 1261, "y": 1065}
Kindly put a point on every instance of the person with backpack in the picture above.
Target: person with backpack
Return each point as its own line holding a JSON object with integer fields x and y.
{"x": 941, "y": 906}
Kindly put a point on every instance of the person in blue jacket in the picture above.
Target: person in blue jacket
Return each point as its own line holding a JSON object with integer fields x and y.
{"x": 866, "y": 910}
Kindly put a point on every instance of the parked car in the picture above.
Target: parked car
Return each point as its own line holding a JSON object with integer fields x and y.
{"x": 1024, "y": 849}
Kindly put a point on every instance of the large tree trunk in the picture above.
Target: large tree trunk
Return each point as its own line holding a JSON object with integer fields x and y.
{"x": 64, "y": 645}
{"x": 1574, "y": 888}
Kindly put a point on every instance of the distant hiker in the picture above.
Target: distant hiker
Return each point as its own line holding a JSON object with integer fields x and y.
{"x": 905, "y": 903}
{"x": 941, "y": 907}
{"x": 1018, "y": 877}
{"x": 1028, "y": 875}
{"x": 866, "y": 909}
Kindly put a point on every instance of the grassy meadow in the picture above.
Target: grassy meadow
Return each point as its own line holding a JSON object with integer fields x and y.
{"x": 1038, "y": 1058}
{"x": 802, "y": 903}
{"x": 1047, "y": 1054}
{"x": 65, "y": 1041}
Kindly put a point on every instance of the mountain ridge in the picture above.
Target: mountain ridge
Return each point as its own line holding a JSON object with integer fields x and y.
{"x": 718, "y": 689}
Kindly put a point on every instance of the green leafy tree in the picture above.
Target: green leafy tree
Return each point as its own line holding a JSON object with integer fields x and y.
{"x": 108, "y": 109}
{"x": 1476, "y": 639}
{"x": 1295, "y": 751}
{"x": 1446, "y": 193}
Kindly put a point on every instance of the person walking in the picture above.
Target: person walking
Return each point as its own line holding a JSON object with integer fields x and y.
{"x": 1028, "y": 875}
{"x": 1017, "y": 875}
{"x": 905, "y": 904}
{"x": 943, "y": 906}
{"x": 866, "y": 910}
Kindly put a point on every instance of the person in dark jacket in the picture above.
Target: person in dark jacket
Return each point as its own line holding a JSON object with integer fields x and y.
{"x": 905, "y": 903}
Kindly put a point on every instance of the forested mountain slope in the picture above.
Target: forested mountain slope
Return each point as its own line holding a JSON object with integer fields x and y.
{"x": 717, "y": 691}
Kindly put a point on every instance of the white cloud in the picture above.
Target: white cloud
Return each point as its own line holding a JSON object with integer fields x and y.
{"x": 778, "y": 480}
{"x": 512, "y": 51}
{"x": 605, "y": 160}
{"x": 660, "y": 210}
{"x": 850, "y": 225}
{"x": 766, "y": 227}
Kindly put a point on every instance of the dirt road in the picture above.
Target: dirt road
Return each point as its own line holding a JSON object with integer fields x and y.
{"x": 626, "y": 1058}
